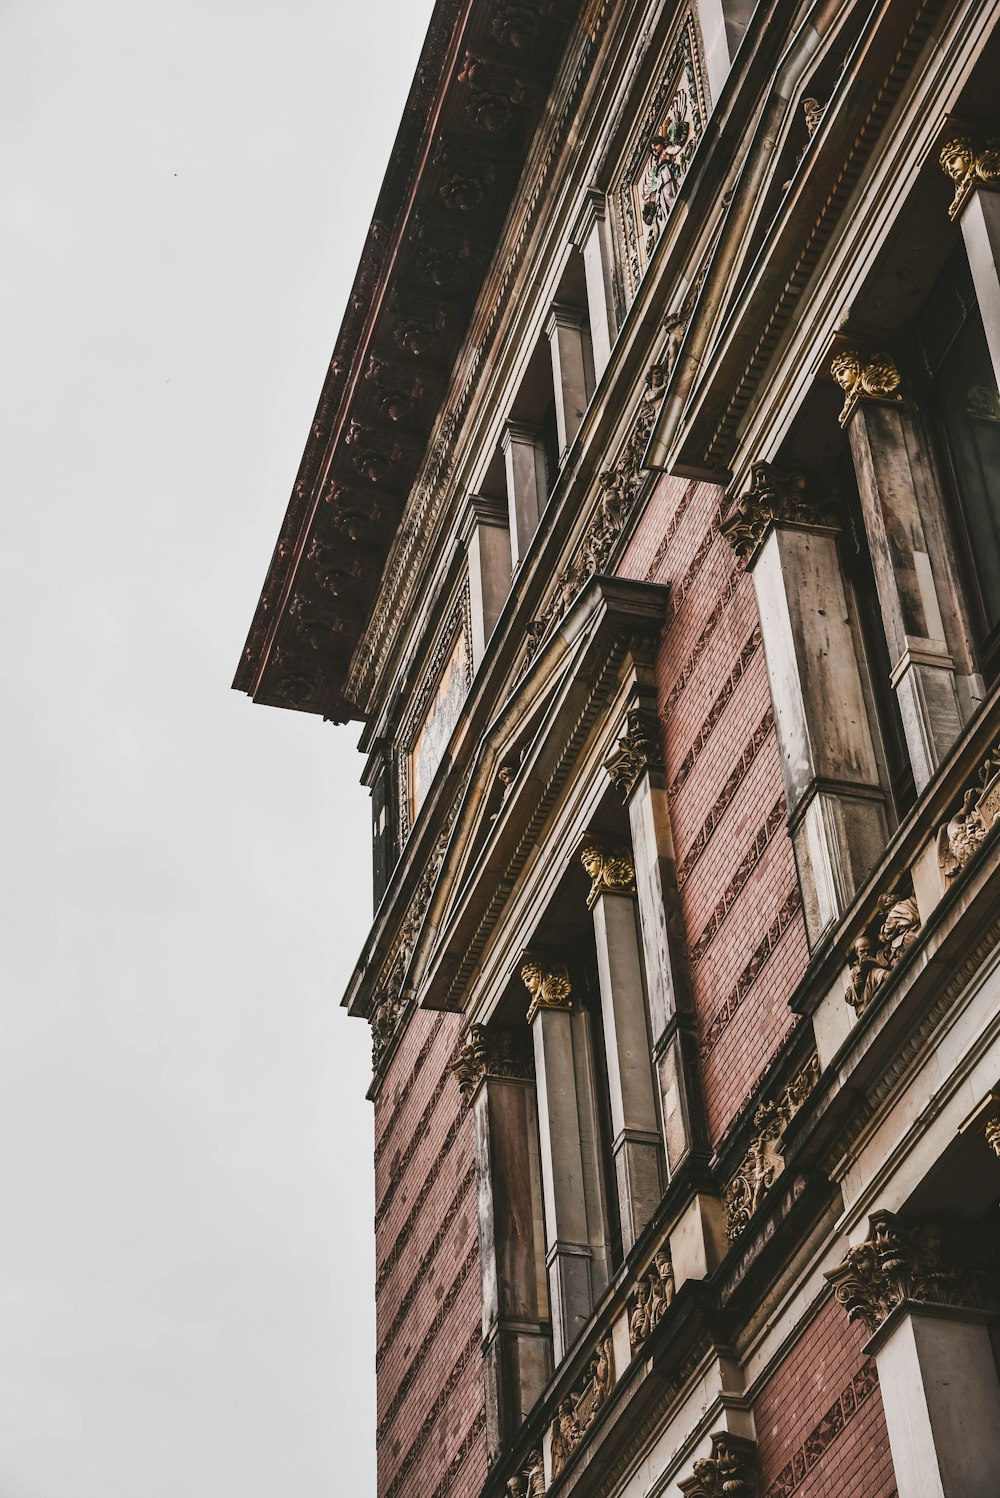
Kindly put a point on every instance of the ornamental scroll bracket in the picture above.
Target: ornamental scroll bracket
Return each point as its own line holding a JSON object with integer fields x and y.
{"x": 730, "y": 1471}
{"x": 636, "y": 752}
{"x": 610, "y": 869}
{"x": 487, "y": 1053}
{"x": 547, "y": 982}
{"x": 902, "y": 1260}
{"x": 969, "y": 163}
{"x": 772, "y": 497}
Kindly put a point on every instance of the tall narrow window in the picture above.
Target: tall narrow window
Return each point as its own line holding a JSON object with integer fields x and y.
{"x": 965, "y": 410}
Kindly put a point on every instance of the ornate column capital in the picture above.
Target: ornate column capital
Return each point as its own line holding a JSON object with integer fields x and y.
{"x": 637, "y": 751}
{"x": 488, "y": 1053}
{"x": 969, "y": 164}
{"x": 865, "y": 376}
{"x": 730, "y": 1472}
{"x": 902, "y": 1261}
{"x": 547, "y": 983}
{"x": 771, "y": 497}
{"x": 611, "y": 869}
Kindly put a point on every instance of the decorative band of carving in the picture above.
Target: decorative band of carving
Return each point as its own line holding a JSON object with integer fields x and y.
{"x": 549, "y": 987}
{"x": 730, "y": 1471}
{"x": 883, "y": 944}
{"x": 487, "y": 1053}
{"x": 734, "y": 780}
{"x": 708, "y": 630}
{"x": 863, "y": 376}
{"x": 611, "y": 870}
{"x": 653, "y": 1294}
{"x": 720, "y": 1021}
{"x": 763, "y": 1163}
{"x": 745, "y": 867}
{"x": 969, "y": 166}
{"x": 715, "y": 712}
{"x": 771, "y": 497}
{"x": 578, "y": 1411}
{"x": 822, "y": 1436}
{"x": 637, "y": 751}
{"x": 902, "y": 1260}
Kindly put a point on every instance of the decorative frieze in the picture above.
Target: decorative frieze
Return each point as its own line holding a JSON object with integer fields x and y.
{"x": 902, "y": 1261}
{"x": 865, "y": 376}
{"x": 530, "y": 1481}
{"x": 637, "y": 751}
{"x": 890, "y": 933}
{"x": 961, "y": 837}
{"x": 730, "y": 1472}
{"x": 580, "y": 1408}
{"x": 763, "y": 1162}
{"x": 653, "y": 1294}
{"x": 549, "y": 986}
{"x": 488, "y": 1053}
{"x": 771, "y": 497}
{"x": 969, "y": 165}
{"x": 611, "y": 870}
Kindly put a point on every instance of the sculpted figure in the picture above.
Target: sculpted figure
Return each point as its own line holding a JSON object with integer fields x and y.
{"x": 959, "y": 838}
{"x": 900, "y": 926}
{"x": 868, "y": 973}
{"x": 640, "y": 1321}
{"x": 663, "y": 1285}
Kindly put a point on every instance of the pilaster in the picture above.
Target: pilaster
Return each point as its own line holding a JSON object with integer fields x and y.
{"x": 572, "y": 368}
{"x": 524, "y": 465}
{"x": 592, "y": 237}
{"x": 974, "y": 167}
{"x": 486, "y": 535}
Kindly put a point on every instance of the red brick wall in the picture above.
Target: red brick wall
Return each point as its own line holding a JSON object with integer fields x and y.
{"x": 820, "y": 1424}
{"x": 431, "y": 1412}
{"x": 735, "y": 870}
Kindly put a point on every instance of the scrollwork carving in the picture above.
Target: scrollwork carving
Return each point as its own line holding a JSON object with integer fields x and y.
{"x": 771, "y": 497}
{"x": 637, "y": 751}
{"x": 549, "y": 986}
{"x": 969, "y": 166}
{"x": 488, "y": 1053}
{"x": 763, "y": 1162}
{"x": 903, "y": 1261}
{"x": 611, "y": 870}
{"x": 862, "y": 376}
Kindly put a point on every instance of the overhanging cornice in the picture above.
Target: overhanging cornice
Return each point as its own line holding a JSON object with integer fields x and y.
{"x": 480, "y": 87}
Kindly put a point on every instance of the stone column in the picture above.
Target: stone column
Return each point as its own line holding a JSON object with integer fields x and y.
{"x": 974, "y": 167}
{"x": 576, "y": 1251}
{"x": 636, "y": 770}
{"x": 524, "y": 463}
{"x": 835, "y": 803}
{"x": 496, "y": 1078}
{"x": 485, "y": 533}
{"x": 591, "y": 235}
{"x": 910, "y": 1284}
{"x": 912, "y": 573}
{"x": 636, "y": 1145}
{"x": 572, "y": 368}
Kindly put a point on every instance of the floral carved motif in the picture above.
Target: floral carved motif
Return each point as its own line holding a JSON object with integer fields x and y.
{"x": 549, "y": 986}
{"x": 730, "y": 1471}
{"x": 887, "y": 938}
{"x": 961, "y": 837}
{"x": 580, "y": 1408}
{"x": 487, "y": 1053}
{"x": 653, "y": 1294}
{"x": 969, "y": 166}
{"x": 619, "y": 490}
{"x": 861, "y": 376}
{"x": 903, "y": 1261}
{"x": 637, "y": 751}
{"x": 611, "y": 870}
{"x": 771, "y": 497}
{"x": 763, "y": 1162}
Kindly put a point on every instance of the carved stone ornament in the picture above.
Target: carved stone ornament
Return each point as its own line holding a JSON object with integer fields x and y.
{"x": 969, "y": 166}
{"x": 886, "y": 939}
{"x": 611, "y": 870}
{"x": 903, "y": 1261}
{"x": 653, "y": 1294}
{"x": 386, "y": 1013}
{"x": 619, "y": 488}
{"x": 861, "y": 376}
{"x": 580, "y": 1408}
{"x": 961, "y": 837}
{"x": 730, "y": 1472}
{"x": 771, "y": 497}
{"x": 763, "y": 1162}
{"x": 488, "y": 1053}
{"x": 637, "y": 751}
{"x": 992, "y": 1134}
{"x": 549, "y": 986}
{"x": 530, "y": 1481}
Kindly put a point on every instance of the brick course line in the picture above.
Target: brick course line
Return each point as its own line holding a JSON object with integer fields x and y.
{"x": 398, "y": 1107}
{"x": 670, "y": 531}
{"x": 708, "y": 630}
{"x": 679, "y": 589}
{"x": 735, "y": 779}
{"x": 415, "y": 1363}
{"x": 402, "y": 1237}
{"x": 433, "y": 1414}
{"x": 468, "y": 1442}
{"x": 413, "y": 1144}
{"x": 715, "y": 712}
{"x": 744, "y": 869}
{"x": 454, "y": 1207}
{"x": 823, "y": 1435}
{"x": 751, "y": 972}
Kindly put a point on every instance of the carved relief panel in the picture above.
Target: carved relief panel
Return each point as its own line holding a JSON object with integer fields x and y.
{"x": 659, "y": 154}
{"x": 434, "y": 711}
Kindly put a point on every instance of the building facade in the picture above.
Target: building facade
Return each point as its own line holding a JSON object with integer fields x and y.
{"x": 650, "y": 522}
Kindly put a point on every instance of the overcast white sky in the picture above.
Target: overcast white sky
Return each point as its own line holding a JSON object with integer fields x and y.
{"x": 185, "y": 1146}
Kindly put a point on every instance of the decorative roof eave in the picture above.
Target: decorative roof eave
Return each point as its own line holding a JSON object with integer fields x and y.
{"x": 479, "y": 90}
{"x": 698, "y": 427}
